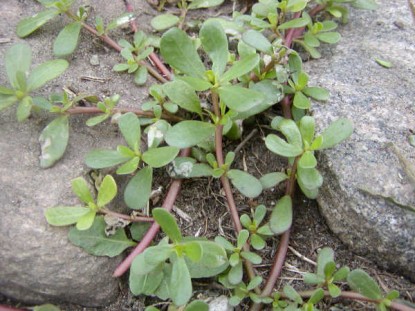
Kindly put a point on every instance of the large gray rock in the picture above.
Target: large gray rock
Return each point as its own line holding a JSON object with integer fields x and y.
{"x": 37, "y": 262}
{"x": 368, "y": 195}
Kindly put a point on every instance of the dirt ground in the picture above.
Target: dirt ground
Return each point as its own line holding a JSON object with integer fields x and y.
{"x": 202, "y": 199}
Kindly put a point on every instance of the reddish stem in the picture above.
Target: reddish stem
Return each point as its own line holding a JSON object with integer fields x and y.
{"x": 168, "y": 203}
{"x": 7, "y": 308}
{"x": 129, "y": 7}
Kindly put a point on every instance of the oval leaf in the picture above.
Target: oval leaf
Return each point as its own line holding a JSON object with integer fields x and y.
{"x": 53, "y": 141}
{"x": 215, "y": 43}
{"x": 247, "y": 184}
{"x": 362, "y": 283}
{"x": 281, "y": 147}
{"x": 65, "y": 215}
{"x": 189, "y": 133}
{"x": 81, "y": 189}
{"x": 257, "y": 40}
{"x": 180, "y": 285}
{"x": 17, "y": 59}
{"x": 130, "y": 128}
{"x": 282, "y": 215}
{"x": 159, "y": 157}
{"x": 30, "y": 24}
{"x": 239, "y": 98}
{"x": 95, "y": 242}
{"x": 101, "y": 158}
{"x": 241, "y": 67}
{"x": 67, "y": 40}
{"x": 318, "y": 93}
{"x": 107, "y": 191}
{"x": 46, "y": 72}
{"x": 138, "y": 190}
{"x": 294, "y": 23}
{"x": 179, "y": 52}
{"x": 168, "y": 224}
{"x": 182, "y": 94}
{"x": 272, "y": 179}
{"x": 337, "y": 131}
{"x": 164, "y": 21}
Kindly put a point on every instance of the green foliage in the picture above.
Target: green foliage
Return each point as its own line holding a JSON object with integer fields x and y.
{"x": 83, "y": 216}
{"x": 163, "y": 270}
{"x": 46, "y": 307}
{"x": 53, "y": 141}
{"x": 18, "y": 59}
{"x": 258, "y": 233}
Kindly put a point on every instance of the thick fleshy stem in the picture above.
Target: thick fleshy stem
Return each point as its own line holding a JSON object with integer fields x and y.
{"x": 7, "y": 308}
{"x": 227, "y": 186}
{"x": 130, "y": 9}
{"x": 168, "y": 203}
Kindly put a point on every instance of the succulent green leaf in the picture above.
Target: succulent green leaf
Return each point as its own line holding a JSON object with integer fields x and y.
{"x": 364, "y": 284}
{"x": 17, "y": 59}
{"x": 179, "y": 52}
{"x": 141, "y": 75}
{"x": 258, "y": 41}
{"x": 252, "y": 257}
{"x": 383, "y": 63}
{"x": 301, "y": 101}
{"x": 235, "y": 274}
{"x": 96, "y": 120}
{"x": 341, "y": 274}
{"x": 101, "y": 158}
{"x": 309, "y": 177}
{"x": 159, "y": 157}
{"x": 164, "y": 21}
{"x": 46, "y": 307}
{"x": 239, "y": 98}
{"x": 86, "y": 221}
{"x": 67, "y": 40}
{"x": 189, "y": 133}
{"x": 65, "y": 215}
{"x": 24, "y": 108}
{"x": 215, "y": 43}
{"x": 81, "y": 189}
{"x": 282, "y": 215}
{"x": 307, "y": 160}
{"x": 107, "y": 191}
{"x": 318, "y": 93}
{"x": 257, "y": 242}
{"x": 365, "y": 4}
{"x": 247, "y": 184}
{"x": 281, "y": 147}
{"x": 294, "y": 23}
{"x": 138, "y": 230}
{"x": 296, "y": 5}
{"x": 197, "y": 84}
{"x": 128, "y": 167}
{"x": 193, "y": 250}
{"x": 330, "y": 37}
{"x": 95, "y": 242}
{"x": 292, "y": 294}
{"x": 7, "y": 101}
{"x": 312, "y": 278}
{"x": 310, "y": 193}
{"x": 290, "y": 130}
{"x": 337, "y": 131}
{"x": 168, "y": 224}
{"x": 197, "y": 305}
{"x": 317, "y": 295}
{"x": 272, "y": 179}
{"x": 311, "y": 40}
{"x": 148, "y": 283}
{"x": 181, "y": 284}
{"x": 307, "y": 127}
{"x": 138, "y": 190}
{"x": 243, "y": 237}
{"x": 241, "y": 67}
{"x": 334, "y": 290}
{"x": 203, "y": 4}
{"x": 392, "y": 295}
{"x": 130, "y": 128}
{"x": 53, "y": 141}
{"x": 182, "y": 94}
{"x": 28, "y": 25}
{"x": 325, "y": 256}
{"x": 212, "y": 262}
{"x": 46, "y": 72}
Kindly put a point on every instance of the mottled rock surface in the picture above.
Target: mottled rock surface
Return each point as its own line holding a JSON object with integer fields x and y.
{"x": 368, "y": 195}
{"x": 37, "y": 262}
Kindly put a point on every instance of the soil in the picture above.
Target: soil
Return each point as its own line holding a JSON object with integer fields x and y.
{"x": 202, "y": 199}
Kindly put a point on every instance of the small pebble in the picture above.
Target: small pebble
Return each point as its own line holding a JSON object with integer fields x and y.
{"x": 94, "y": 60}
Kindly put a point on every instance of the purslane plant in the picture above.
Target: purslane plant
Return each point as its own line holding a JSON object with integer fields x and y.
{"x": 213, "y": 98}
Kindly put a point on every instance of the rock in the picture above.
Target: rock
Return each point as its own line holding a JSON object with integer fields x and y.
{"x": 38, "y": 263}
{"x": 220, "y": 304}
{"x": 94, "y": 60}
{"x": 368, "y": 195}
